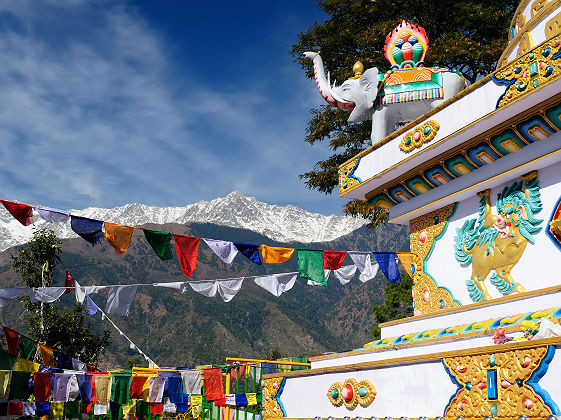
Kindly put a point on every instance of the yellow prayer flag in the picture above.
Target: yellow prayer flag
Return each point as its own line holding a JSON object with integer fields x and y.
{"x": 4, "y": 381}
{"x": 406, "y": 259}
{"x": 47, "y": 355}
{"x": 196, "y": 400}
{"x": 103, "y": 388}
{"x": 251, "y": 398}
{"x": 284, "y": 368}
{"x": 118, "y": 236}
{"x": 57, "y": 409}
{"x": 275, "y": 255}
{"x": 24, "y": 365}
{"x": 129, "y": 408}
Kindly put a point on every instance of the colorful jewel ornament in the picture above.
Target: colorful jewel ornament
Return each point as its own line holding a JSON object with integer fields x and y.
{"x": 350, "y": 393}
{"x": 406, "y": 46}
{"x": 419, "y": 136}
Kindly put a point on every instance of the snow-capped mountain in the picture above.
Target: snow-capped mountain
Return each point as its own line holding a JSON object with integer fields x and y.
{"x": 280, "y": 223}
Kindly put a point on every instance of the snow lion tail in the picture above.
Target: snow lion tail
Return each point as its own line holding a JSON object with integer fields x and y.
{"x": 464, "y": 241}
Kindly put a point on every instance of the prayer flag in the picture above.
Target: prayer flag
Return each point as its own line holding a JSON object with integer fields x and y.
{"x": 10, "y": 293}
{"x": 91, "y": 307}
{"x": 196, "y": 400}
{"x": 333, "y": 260}
{"x": 241, "y": 400}
{"x": 230, "y": 399}
{"x": 406, "y": 259}
{"x": 363, "y": 261}
{"x": 27, "y": 347}
{"x": 64, "y": 361}
{"x": 88, "y": 229}
{"x": 170, "y": 407}
{"x": 21, "y": 212}
{"x": 137, "y": 388}
{"x": 45, "y": 294}
{"x": 310, "y": 265}
{"x": 61, "y": 387}
{"x": 275, "y": 255}
{"x": 42, "y": 385}
{"x": 214, "y": 388}
{"x": 157, "y": 386}
{"x": 225, "y": 250}
{"x": 68, "y": 282}
{"x": 27, "y": 408}
{"x": 160, "y": 243}
{"x": 345, "y": 274}
{"x": 251, "y": 398}
{"x": 142, "y": 409}
{"x": 19, "y": 386}
{"x": 386, "y": 261}
{"x": 250, "y": 251}
{"x": 118, "y": 236}
{"x": 102, "y": 385}
{"x": 229, "y": 288}
{"x": 191, "y": 381}
{"x": 156, "y": 408}
{"x": 205, "y": 288}
{"x": 7, "y": 361}
{"x": 178, "y": 286}
{"x": 73, "y": 410}
{"x": 24, "y": 365}
{"x": 277, "y": 284}
{"x": 57, "y": 410}
{"x": 85, "y": 383}
{"x": 129, "y": 408}
{"x": 120, "y": 389}
{"x": 100, "y": 409}
{"x": 174, "y": 389}
{"x": 42, "y": 408}
{"x": 52, "y": 215}
{"x": 4, "y": 381}
{"x": 12, "y": 340}
{"x": 120, "y": 299}
{"x": 187, "y": 248}
{"x": 14, "y": 408}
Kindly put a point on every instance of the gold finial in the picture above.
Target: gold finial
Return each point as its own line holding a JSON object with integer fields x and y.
{"x": 358, "y": 69}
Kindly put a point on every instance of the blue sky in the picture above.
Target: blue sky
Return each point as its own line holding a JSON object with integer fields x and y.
{"x": 156, "y": 102}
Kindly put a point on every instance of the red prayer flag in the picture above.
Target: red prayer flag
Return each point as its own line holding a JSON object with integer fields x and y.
{"x": 21, "y": 212}
{"x": 333, "y": 260}
{"x": 187, "y": 248}
{"x": 12, "y": 339}
{"x": 221, "y": 402}
{"x": 42, "y": 385}
{"x": 156, "y": 408}
{"x": 14, "y": 408}
{"x": 214, "y": 389}
{"x": 234, "y": 372}
{"x": 68, "y": 282}
{"x": 136, "y": 386}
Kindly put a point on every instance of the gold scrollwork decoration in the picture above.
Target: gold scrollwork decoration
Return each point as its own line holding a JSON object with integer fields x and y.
{"x": 419, "y": 136}
{"x": 496, "y": 384}
{"x": 347, "y": 178}
{"x": 425, "y": 230}
{"x": 352, "y": 393}
{"x": 270, "y": 391}
{"x": 534, "y": 69}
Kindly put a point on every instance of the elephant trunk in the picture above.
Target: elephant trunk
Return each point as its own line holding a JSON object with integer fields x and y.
{"x": 323, "y": 83}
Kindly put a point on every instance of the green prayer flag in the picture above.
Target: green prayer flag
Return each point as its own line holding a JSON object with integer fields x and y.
{"x": 19, "y": 386}
{"x": 310, "y": 265}
{"x": 160, "y": 243}
{"x": 27, "y": 347}
{"x": 142, "y": 409}
{"x": 73, "y": 409}
{"x": 300, "y": 359}
{"x": 120, "y": 390}
{"x": 7, "y": 361}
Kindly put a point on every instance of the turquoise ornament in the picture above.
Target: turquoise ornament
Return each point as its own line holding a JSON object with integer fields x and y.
{"x": 494, "y": 410}
{"x": 492, "y": 360}
{"x": 362, "y": 391}
{"x": 427, "y": 129}
{"x": 335, "y": 393}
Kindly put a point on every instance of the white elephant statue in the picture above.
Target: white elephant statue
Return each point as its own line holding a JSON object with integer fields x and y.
{"x": 396, "y": 97}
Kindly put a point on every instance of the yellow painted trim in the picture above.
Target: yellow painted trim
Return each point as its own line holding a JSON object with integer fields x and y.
{"x": 475, "y": 185}
{"x": 537, "y": 292}
{"x": 486, "y": 332}
{"x": 538, "y": 17}
{"x": 513, "y": 345}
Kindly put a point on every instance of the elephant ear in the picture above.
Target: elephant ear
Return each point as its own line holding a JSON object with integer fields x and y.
{"x": 369, "y": 83}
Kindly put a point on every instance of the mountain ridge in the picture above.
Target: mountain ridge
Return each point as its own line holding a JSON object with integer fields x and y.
{"x": 280, "y": 223}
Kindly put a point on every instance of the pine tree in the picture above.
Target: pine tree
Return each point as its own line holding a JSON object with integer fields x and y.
{"x": 64, "y": 329}
{"x": 398, "y": 303}
{"x": 466, "y": 36}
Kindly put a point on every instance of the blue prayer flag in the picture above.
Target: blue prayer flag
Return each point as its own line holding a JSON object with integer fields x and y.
{"x": 85, "y": 385}
{"x": 388, "y": 265}
{"x": 42, "y": 408}
{"x": 91, "y": 307}
{"x": 88, "y": 229}
{"x": 250, "y": 251}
